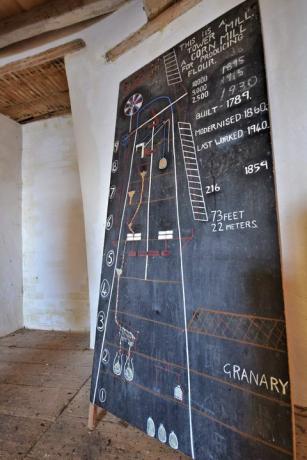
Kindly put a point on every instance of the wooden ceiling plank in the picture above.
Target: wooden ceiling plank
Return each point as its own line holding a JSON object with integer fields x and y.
{"x": 40, "y": 80}
{"x": 54, "y": 15}
{"x": 27, "y": 81}
{"x": 36, "y": 87}
{"x": 19, "y": 87}
{"x": 56, "y": 113}
{"x": 31, "y": 87}
{"x": 18, "y": 98}
{"x": 13, "y": 92}
{"x": 38, "y": 107}
{"x": 41, "y": 89}
{"x": 4, "y": 102}
{"x": 50, "y": 80}
{"x": 42, "y": 58}
{"x": 26, "y": 117}
{"x": 16, "y": 90}
{"x": 54, "y": 87}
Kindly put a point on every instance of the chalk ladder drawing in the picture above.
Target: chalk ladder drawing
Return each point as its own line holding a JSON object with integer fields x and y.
{"x": 172, "y": 71}
{"x": 192, "y": 172}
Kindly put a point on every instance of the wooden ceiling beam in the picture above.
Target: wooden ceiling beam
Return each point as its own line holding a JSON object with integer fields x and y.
{"x": 53, "y": 15}
{"x": 42, "y": 58}
{"x": 154, "y": 7}
{"x": 151, "y": 27}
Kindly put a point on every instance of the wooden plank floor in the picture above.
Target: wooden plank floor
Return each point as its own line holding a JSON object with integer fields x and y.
{"x": 44, "y": 399}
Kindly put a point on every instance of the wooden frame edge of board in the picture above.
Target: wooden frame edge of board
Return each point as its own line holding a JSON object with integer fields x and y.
{"x": 151, "y": 27}
{"x": 95, "y": 414}
{"x": 43, "y": 57}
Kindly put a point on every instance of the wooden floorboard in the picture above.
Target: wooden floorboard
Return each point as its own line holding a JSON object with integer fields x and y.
{"x": 40, "y": 375}
{"x": 18, "y": 434}
{"x": 49, "y": 340}
{"x": 44, "y": 401}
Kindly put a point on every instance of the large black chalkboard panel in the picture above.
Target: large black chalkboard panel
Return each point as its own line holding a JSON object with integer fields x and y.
{"x": 191, "y": 341}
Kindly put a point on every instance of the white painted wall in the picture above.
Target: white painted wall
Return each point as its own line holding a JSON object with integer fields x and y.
{"x": 54, "y": 255}
{"x": 10, "y": 227}
{"x": 285, "y": 32}
{"x": 94, "y": 88}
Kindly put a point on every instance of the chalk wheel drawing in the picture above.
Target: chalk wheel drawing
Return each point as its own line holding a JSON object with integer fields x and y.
{"x": 133, "y": 104}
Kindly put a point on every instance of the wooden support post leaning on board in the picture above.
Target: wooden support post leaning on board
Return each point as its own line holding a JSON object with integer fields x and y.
{"x": 95, "y": 414}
